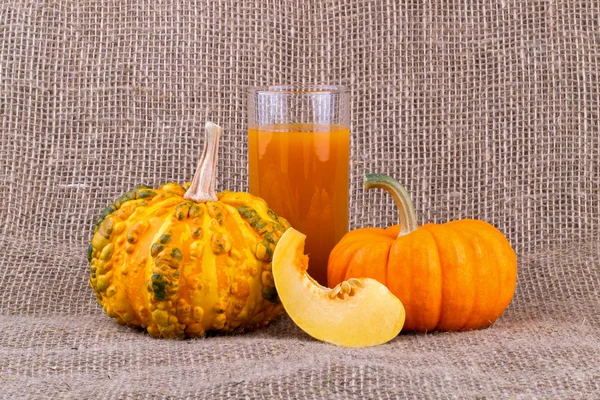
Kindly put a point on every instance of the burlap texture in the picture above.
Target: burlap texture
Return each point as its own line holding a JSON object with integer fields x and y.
{"x": 485, "y": 109}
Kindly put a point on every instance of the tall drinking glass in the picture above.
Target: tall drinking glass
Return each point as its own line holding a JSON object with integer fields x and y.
{"x": 298, "y": 156}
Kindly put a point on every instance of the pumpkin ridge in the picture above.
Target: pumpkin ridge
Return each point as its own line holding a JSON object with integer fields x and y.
{"x": 480, "y": 227}
{"x": 477, "y": 239}
{"x": 359, "y": 267}
{"x": 241, "y": 293}
{"x": 510, "y": 257}
{"x": 236, "y": 273}
{"x": 456, "y": 275}
{"x": 440, "y": 313}
{"x": 414, "y": 276}
{"x": 217, "y": 245}
{"x": 139, "y": 257}
{"x": 470, "y": 269}
{"x": 336, "y": 265}
{"x": 264, "y": 228}
{"x": 475, "y": 264}
{"x": 439, "y": 267}
{"x": 472, "y": 242}
{"x": 118, "y": 202}
{"x": 426, "y": 227}
{"x": 347, "y": 251}
{"x": 163, "y": 278}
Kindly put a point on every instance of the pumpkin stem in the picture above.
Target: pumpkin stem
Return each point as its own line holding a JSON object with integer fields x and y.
{"x": 408, "y": 220}
{"x": 202, "y": 188}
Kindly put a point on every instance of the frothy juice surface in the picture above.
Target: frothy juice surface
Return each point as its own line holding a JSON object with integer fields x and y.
{"x": 302, "y": 172}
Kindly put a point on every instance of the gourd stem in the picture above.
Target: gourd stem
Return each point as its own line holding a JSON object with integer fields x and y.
{"x": 408, "y": 220}
{"x": 202, "y": 188}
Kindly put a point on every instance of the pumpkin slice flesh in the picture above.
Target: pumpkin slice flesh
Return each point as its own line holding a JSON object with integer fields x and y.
{"x": 357, "y": 313}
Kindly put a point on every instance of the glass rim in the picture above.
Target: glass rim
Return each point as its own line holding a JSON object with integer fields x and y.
{"x": 297, "y": 89}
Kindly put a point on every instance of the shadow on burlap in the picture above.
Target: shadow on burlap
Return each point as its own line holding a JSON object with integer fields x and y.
{"x": 487, "y": 110}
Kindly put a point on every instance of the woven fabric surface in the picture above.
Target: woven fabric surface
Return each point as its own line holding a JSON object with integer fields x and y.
{"x": 483, "y": 109}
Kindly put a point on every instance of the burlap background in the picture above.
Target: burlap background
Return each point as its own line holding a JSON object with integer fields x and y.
{"x": 486, "y": 109}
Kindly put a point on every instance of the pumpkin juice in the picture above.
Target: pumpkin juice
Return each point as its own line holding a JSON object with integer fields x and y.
{"x": 302, "y": 171}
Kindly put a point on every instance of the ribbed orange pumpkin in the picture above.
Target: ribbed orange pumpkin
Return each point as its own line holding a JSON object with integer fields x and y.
{"x": 460, "y": 275}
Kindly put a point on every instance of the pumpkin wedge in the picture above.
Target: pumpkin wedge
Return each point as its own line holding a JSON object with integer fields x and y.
{"x": 355, "y": 313}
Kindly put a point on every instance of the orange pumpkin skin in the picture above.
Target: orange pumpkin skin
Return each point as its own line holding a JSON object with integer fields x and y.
{"x": 460, "y": 275}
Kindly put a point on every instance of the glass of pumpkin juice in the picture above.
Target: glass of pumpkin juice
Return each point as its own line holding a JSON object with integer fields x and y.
{"x": 298, "y": 158}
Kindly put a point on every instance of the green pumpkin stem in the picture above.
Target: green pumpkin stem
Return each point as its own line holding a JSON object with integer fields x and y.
{"x": 408, "y": 220}
{"x": 202, "y": 188}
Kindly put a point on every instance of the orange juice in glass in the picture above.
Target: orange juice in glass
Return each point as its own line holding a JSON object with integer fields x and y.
{"x": 298, "y": 157}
